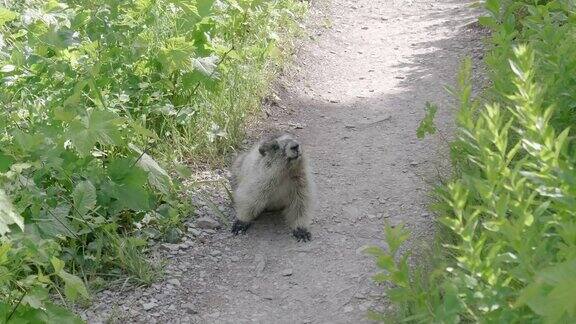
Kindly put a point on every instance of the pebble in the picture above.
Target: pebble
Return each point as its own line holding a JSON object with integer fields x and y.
{"x": 149, "y": 306}
{"x": 260, "y": 264}
{"x": 287, "y": 272}
{"x": 234, "y": 259}
{"x": 206, "y": 222}
{"x": 174, "y": 282}
{"x": 359, "y": 296}
{"x": 189, "y": 308}
{"x": 215, "y": 253}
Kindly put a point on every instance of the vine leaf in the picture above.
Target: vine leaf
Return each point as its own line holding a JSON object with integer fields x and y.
{"x": 100, "y": 126}
{"x": 7, "y": 214}
{"x": 84, "y": 197}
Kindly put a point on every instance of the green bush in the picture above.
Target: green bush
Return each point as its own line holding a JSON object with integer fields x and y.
{"x": 89, "y": 92}
{"x": 508, "y": 217}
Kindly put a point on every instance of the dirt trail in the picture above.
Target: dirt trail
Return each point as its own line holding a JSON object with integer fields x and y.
{"x": 357, "y": 95}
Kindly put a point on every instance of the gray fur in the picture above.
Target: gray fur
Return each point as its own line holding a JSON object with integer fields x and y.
{"x": 273, "y": 175}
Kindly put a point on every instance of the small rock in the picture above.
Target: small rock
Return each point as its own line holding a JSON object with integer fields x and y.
{"x": 413, "y": 163}
{"x": 399, "y": 77}
{"x": 350, "y": 126}
{"x": 206, "y": 222}
{"x": 234, "y": 259}
{"x": 260, "y": 264}
{"x": 287, "y": 272}
{"x": 348, "y": 309}
{"x": 296, "y": 125}
{"x": 189, "y": 308}
{"x": 365, "y": 27}
{"x": 215, "y": 253}
{"x": 174, "y": 282}
{"x": 149, "y": 306}
{"x": 267, "y": 297}
{"x": 359, "y": 296}
{"x": 170, "y": 247}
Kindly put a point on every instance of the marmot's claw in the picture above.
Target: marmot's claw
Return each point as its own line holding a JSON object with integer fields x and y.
{"x": 240, "y": 227}
{"x": 302, "y": 234}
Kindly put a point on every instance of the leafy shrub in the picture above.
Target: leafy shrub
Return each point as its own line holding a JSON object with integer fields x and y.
{"x": 508, "y": 216}
{"x": 89, "y": 92}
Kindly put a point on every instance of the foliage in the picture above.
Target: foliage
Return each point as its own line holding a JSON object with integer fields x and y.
{"x": 90, "y": 91}
{"x": 426, "y": 125}
{"x": 509, "y": 251}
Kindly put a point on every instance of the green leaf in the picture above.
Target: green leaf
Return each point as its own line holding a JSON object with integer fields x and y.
{"x": 204, "y": 7}
{"x": 176, "y": 54}
{"x": 427, "y": 123}
{"x": 552, "y": 294}
{"x": 395, "y": 236}
{"x": 5, "y": 162}
{"x": 386, "y": 262}
{"x": 84, "y": 197}
{"x": 157, "y": 176}
{"x": 8, "y": 215}
{"x": 35, "y": 297}
{"x": 57, "y": 264}
{"x": 101, "y": 126}
{"x": 374, "y": 250}
{"x": 488, "y": 22}
{"x": 59, "y": 314}
{"x": 493, "y": 6}
{"x": 73, "y": 286}
{"x": 6, "y": 16}
{"x": 206, "y": 66}
{"x": 53, "y": 222}
{"x": 128, "y": 186}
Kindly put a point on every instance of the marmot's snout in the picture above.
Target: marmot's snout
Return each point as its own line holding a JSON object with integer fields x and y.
{"x": 293, "y": 150}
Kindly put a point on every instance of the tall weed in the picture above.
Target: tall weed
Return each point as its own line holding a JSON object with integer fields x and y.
{"x": 510, "y": 209}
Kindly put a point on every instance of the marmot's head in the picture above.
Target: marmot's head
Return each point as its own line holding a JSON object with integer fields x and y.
{"x": 282, "y": 147}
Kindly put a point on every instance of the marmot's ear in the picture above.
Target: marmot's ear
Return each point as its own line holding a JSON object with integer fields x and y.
{"x": 267, "y": 146}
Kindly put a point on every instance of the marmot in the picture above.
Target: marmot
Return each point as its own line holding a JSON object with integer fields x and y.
{"x": 273, "y": 175}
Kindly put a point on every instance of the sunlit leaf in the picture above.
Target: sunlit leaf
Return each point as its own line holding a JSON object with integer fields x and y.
{"x": 8, "y": 215}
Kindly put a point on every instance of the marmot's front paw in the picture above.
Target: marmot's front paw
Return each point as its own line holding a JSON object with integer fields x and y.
{"x": 240, "y": 227}
{"x": 302, "y": 234}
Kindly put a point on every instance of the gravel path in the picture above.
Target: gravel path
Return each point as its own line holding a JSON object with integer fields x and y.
{"x": 354, "y": 97}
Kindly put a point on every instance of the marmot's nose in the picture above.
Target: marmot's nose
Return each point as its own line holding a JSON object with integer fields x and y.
{"x": 294, "y": 147}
